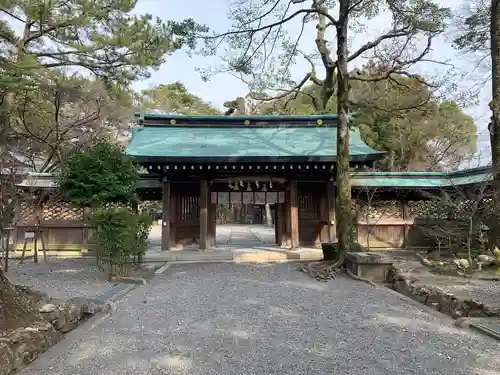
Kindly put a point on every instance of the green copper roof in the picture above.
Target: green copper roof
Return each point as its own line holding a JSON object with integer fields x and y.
{"x": 420, "y": 179}
{"x": 237, "y": 118}
{"x": 243, "y": 142}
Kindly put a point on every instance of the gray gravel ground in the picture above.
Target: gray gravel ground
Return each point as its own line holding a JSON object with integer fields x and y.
{"x": 60, "y": 278}
{"x": 271, "y": 319}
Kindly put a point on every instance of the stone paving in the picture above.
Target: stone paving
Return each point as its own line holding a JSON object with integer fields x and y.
{"x": 234, "y": 242}
{"x": 229, "y": 235}
{"x": 202, "y": 319}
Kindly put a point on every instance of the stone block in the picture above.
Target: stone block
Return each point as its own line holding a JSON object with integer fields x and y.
{"x": 371, "y": 266}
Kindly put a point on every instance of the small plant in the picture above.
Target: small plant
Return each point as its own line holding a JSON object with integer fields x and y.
{"x": 98, "y": 175}
{"x": 105, "y": 179}
{"x": 120, "y": 237}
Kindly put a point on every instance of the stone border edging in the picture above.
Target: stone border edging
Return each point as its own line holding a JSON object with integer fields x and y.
{"x": 440, "y": 300}
{"x": 485, "y": 330}
{"x": 107, "y": 299}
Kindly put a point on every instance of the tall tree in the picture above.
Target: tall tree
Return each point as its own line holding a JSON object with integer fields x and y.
{"x": 65, "y": 115}
{"x": 262, "y": 53}
{"x": 495, "y": 80}
{"x": 102, "y": 37}
{"x": 174, "y": 97}
{"x": 418, "y": 131}
{"x": 474, "y": 27}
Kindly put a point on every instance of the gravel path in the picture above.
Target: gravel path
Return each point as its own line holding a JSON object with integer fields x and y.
{"x": 60, "y": 278}
{"x": 270, "y": 320}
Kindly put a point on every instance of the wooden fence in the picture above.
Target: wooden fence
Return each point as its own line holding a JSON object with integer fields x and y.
{"x": 380, "y": 225}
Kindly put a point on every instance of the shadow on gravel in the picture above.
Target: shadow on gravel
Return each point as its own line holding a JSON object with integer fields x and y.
{"x": 259, "y": 319}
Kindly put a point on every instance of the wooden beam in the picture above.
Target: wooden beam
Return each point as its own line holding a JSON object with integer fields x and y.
{"x": 281, "y": 224}
{"x": 294, "y": 214}
{"x": 173, "y": 221}
{"x": 203, "y": 214}
{"x": 324, "y": 217}
{"x": 332, "y": 234}
{"x": 276, "y": 225}
{"x": 212, "y": 213}
{"x": 165, "y": 224}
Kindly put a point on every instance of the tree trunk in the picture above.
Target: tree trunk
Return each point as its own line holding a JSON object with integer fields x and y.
{"x": 494, "y": 126}
{"x": 343, "y": 206}
{"x": 495, "y": 102}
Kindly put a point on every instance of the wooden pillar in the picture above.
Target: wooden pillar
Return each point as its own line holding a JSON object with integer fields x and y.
{"x": 404, "y": 212}
{"x": 324, "y": 216}
{"x": 294, "y": 215}
{"x": 276, "y": 227}
{"x": 173, "y": 221}
{"x": 203, "y": 214}
{"x": 212, "y": 213}
{"x": 135, "y": 207}
{"x": 87, "y": 211}
{"x": 331, "y": 212}
{"x": 281, "y": 224}
{"x": 165, "y": 225}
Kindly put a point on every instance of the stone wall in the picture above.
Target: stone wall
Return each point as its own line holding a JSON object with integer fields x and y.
{"x": 444, "y": 301}
{"x": 23, "y": 345}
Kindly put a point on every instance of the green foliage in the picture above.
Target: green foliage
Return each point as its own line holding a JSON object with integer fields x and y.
{"x": 120, "y": 237}
{"x": 474, "y": 28}
{"x": 398, "y": 116}
{"x": 103, "y": 37}
{"x": 98, "y": 175}
{"x": 60, "y": 115}
{"x": 174, "y": 97}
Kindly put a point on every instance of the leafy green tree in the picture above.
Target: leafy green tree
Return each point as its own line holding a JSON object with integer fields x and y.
{"x": 66, "y": 67}
{"x": 99, "y": 175}
{"x": 262, "y": 53}
{"x": 105, "y": 178}
{"x": 64, "y": 115}
{"x": 174, "y": 97}
{"x": 401, "y": 117}
{"x": 103, "y": 37}
{"x": 481, "y": 35}
{"x": 474, "y": 27}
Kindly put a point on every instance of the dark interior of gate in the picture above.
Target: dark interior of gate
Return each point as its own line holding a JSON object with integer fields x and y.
{"x": 205, "y": 162}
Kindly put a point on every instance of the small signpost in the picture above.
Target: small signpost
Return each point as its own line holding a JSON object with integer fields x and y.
{"x": 6, "y": 249}
{"x": 34, "y": 234}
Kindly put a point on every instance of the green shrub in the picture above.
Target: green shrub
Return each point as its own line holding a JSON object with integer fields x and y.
{"x": 98, "y": 175}
{"x": 120, "y": 237}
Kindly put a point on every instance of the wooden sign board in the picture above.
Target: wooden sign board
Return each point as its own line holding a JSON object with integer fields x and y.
{"x": 248, "y": 197}
{"x": 260, "y": 197}
{"x": 213, "y": 197}
{"x": 235, "y": 197}
{"x": 223, "y": 197}
{"x": 271, "y": 197}
{"x": 281, "y": 197}
{"x": 29, "y": 235}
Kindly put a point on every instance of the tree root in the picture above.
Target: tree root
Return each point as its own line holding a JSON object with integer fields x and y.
{"x": 328, "y": 270}
{"x": 423, "y": 261}
{"x": 322, "y": 270}
{"x": 359, "y": 278}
